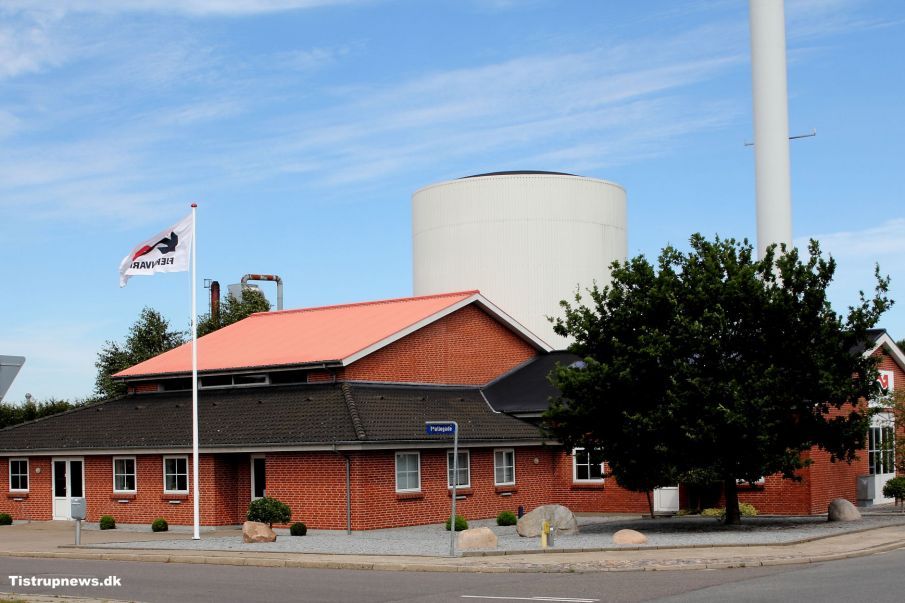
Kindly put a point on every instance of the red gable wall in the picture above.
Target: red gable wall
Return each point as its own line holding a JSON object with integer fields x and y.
{"x": 467, "y": 347}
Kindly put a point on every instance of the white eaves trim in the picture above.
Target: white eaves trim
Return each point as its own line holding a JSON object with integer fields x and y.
{"x": 891, "y": 348}
{"x": 475, "y": 298}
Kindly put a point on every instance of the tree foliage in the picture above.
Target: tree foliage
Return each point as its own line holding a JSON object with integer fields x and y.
{"x": 31, "y": 409}
{"x": 148, "y": 336}
{"x": 715, "y": 363}
{"x": 232, "y": 310}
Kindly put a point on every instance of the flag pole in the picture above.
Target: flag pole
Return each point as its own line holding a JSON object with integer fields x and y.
{"x": 196, "y": 494}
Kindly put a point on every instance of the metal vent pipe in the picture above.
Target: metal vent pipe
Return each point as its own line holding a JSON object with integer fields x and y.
{"x": 267, "y": 277}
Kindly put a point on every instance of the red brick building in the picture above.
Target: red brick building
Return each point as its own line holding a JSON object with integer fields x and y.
{"x": 324, "y": 409}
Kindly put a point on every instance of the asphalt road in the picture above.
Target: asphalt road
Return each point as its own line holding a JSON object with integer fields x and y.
{"x": 877, "y": 579}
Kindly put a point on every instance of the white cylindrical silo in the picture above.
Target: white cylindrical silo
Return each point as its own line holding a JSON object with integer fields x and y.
{"x": 526, "y": 240}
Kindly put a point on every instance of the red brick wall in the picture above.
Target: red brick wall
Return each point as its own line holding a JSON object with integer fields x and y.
{"x": 467, "y": 347}
{"x": 36, "y": 504}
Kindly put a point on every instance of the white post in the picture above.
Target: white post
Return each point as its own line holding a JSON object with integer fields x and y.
{"x": 455, "y": 484}
{"x": 196, "y": 495}
{"x": 771, "y": 123}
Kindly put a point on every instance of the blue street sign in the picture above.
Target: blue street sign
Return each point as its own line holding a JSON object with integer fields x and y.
{"x": 440, "y": 428}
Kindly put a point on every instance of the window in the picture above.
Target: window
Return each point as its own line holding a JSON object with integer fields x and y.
{"x": 464, "y": 477}
{"x": 258, "y": 477}
{"x": 504, "y": 467}
{"x": 880, "y": 442}
{"x": 176, "y": 474}
{"x": 124, "y": 474}
{"x": 408, "y": 472}
{"x": 18, "y": 474}
{"x": 586, "y": 466}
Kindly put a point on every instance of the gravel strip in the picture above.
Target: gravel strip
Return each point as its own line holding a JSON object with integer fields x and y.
{"x": 596, "y": 532}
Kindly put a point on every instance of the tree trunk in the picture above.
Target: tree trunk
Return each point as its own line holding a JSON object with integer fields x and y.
{"x": 650, "y": 504}
{"x": 733, "y": 515}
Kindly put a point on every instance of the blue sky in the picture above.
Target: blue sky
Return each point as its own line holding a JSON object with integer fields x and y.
{"x": 302, "y": 127}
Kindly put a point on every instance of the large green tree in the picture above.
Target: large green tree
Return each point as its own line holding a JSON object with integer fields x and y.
{"x": 714, "y": 362}
{"x": 233, "y": 310}
{"x": 148, "y": 336}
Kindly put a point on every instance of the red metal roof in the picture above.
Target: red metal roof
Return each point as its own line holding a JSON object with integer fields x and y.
{"x": 295, "y": 337}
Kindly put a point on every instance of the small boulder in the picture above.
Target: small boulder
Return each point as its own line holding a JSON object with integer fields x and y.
{"x": 560, "y": 518}
{"x": 629, "y": 537}
{"x": 476, "y": 538}
{"x": 842, "y": 510}
{"x": 255, "y": 531}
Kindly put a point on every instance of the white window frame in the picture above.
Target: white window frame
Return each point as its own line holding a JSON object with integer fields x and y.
{"x": 449, "y": 468}
{"x": 27, "y": 476}
{"x": 187, "y": 468}
{"x": 134, "y": 474}
{"x": 495, "y": 467}
{"x": 596, "y": 480}
{"x": 417, "y": 455}
{"x": 254, "y": 457}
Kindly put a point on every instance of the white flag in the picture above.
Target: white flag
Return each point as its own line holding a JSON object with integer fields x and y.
{"x": 168, "y": 251}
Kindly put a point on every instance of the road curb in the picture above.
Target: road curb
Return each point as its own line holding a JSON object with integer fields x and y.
{"x": 639, "y": 565}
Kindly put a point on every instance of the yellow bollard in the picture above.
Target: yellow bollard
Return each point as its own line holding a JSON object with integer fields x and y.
{"x": 545, "y": 529}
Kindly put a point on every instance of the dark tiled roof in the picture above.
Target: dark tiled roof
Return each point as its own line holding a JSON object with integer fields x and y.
{"x": 265, "y": 416}
{"x": 526, "y": 389}
{"x": 873, "y": 335}
{"x": 399, "y": 413}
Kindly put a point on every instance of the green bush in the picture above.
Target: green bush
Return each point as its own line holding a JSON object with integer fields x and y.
{"x": 6, "y": 519}
{"x": 461, "y": 524}
{"x": 160, "y": 525}
{"x": 298, "y": 529}
{"x": 895, "y": 488}
{"x": 506, "y": 518}
{"x": 269, "y": 510}
{"x": 107, "y": 522}
{"x": 746, "y": 509}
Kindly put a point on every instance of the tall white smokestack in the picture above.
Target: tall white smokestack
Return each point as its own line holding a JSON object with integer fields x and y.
{"x": 771, "y": 123}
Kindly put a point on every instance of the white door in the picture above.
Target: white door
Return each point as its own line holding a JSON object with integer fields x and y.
{"x": 666, "y": 500}
{"x": 880, "y": 454}
{"x": 68, "y": 482}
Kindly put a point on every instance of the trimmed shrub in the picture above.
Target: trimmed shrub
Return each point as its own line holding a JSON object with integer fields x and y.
{"x": 506, "y": 518}
{"x": 160, "y": 525}
{"x": 6, "y": 519}
{"x": 298, "y": 529}
{"x": 461, "y": 524}
{"x": 107, "y": 522}
{"x": 895, "y": 488}
{"x": 746, "y": 510}
{"x": 269, "y": 510}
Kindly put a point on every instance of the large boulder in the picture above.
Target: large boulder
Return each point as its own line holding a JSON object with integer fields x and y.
{"x": 842, "y": 510}
{"x": 561, "y": 518}
{"x": 255, "y": 531}
{"x": 629, "y": 537}
{"x": 476, "y": 538}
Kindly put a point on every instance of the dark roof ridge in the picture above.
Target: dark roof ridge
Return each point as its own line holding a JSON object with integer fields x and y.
{"x": 411, "y": 385}
{"x": 360, "y": 432}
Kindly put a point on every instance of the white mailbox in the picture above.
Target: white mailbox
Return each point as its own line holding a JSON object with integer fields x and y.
{"x": 77, "y": 509}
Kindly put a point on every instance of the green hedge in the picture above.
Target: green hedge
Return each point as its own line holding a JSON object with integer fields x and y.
{"x": 461, "y": 524}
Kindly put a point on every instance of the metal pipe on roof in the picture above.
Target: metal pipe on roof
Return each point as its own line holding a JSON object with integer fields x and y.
{"x": 267, "y": 277}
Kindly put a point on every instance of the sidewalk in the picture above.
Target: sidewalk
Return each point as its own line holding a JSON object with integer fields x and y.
{"x": 54, "y": 540}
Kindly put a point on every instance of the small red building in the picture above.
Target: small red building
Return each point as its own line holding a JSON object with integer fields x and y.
{"x": 324, "y": 409}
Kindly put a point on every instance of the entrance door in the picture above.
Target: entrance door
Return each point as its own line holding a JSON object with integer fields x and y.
{"x": 881, "y": 454}
{"x": 68, "y": 482}
{"x": 258, "y": 477}
{"x": 666, "y": 500}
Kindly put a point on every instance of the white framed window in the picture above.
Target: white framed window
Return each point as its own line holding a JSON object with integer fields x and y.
{"x": 258, "y": 476}
{"x": 124, "y": 474}
{"x": 881, "y": 444}
{"x": 587, "y": 466}
{"x": 18, "y": 474}
{"x": 176, "y": 474}
{"x": 504, "y": 467}
{"x": 408, "y": 472}
{"x": 464, "y": 477}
